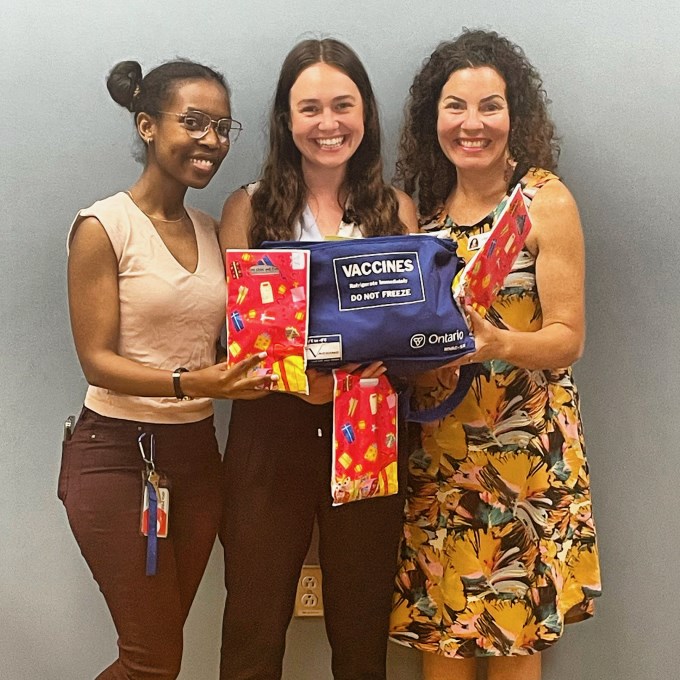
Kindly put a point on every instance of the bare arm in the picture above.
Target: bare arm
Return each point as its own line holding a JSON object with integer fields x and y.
{"x": 237, "y": 215}
{"x": 95, "y": 309}
{"x": 557, "y": 241}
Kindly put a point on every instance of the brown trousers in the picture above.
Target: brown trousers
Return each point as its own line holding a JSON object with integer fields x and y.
{"x": 100, "y": 484}
{"x": 277, "y": 480}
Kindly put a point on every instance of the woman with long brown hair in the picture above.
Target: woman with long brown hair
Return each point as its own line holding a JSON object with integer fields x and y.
{"x": 322, "y": 177}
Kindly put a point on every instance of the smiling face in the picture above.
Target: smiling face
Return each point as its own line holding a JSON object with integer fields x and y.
{"x": 326, "y": 117}
{"x": 473, "y": 119}
{"x": 189, "y": 162}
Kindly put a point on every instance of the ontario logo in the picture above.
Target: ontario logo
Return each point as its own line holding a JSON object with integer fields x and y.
{"x": 419, "y": 340}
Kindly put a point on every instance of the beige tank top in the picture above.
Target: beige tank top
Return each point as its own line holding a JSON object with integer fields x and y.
{"x": 169, "y": 317}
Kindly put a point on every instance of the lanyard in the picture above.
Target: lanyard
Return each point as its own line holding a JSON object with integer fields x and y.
{"x": 151, "y": 487}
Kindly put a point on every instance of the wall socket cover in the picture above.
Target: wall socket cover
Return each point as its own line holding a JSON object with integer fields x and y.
{"x": 308, "y": 599}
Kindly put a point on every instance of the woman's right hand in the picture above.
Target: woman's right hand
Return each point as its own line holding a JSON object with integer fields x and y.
{"x": 222, "y": 382}
{"x": 320, "y": 387}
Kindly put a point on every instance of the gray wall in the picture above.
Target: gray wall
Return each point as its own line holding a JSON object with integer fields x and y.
{"x": 611, "y": 69}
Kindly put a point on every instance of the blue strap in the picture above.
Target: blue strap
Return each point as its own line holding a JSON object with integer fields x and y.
{"x": 427, "y": 415}
{"x": 152, "y": 539}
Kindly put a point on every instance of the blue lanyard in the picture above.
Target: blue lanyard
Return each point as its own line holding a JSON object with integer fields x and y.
{"x": 151, "y": 488}
{"x": 152, "y": 539}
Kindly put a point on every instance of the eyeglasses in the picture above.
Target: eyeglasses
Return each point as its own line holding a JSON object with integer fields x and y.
{"x": 197, "y": 124}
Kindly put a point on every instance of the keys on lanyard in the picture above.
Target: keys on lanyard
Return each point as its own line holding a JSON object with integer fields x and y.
{"x": 154, "y": 504}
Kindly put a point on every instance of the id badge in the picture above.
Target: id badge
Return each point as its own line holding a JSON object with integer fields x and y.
{"x": 162, "y": 512}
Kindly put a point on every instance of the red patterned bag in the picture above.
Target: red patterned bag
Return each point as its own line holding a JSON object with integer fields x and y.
{"x": 268, "y": 311}
{"x": 364, "y": 438}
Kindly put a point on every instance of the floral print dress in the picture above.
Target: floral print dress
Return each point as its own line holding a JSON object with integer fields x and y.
{"x": 499, "y": 547}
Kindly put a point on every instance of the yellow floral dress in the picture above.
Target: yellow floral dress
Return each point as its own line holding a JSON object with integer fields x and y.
{"x": 499, "y": 547}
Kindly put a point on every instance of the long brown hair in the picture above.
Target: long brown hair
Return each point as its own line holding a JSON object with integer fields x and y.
{"x": 280, "y": 197}
{"x": 422, "y": 166}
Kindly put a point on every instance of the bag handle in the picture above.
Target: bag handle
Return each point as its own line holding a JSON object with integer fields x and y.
{"x": 427, "y": 415}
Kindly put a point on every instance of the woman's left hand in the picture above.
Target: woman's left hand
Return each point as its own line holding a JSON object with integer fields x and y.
{"x": 373, "y": 370}
{"x": 488, "y": 340}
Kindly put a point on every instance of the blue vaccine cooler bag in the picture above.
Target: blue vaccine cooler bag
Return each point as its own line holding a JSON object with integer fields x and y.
{"x": 384, "y": 298}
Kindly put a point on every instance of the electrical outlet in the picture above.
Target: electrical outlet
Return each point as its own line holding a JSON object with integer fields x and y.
{"x": 308, "y": 599}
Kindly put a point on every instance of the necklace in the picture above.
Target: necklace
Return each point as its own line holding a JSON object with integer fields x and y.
{"x": 335, "y": 227}
{"x": 155, "y": 217}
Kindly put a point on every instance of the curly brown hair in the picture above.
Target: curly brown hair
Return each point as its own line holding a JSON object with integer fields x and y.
{"x": 280, "y": 197}
{"x": 422, "y": 165}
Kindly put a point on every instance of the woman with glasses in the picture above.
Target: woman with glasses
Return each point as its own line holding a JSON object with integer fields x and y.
{"x": 322, "y": 177}
{"x": 147, "y": 304}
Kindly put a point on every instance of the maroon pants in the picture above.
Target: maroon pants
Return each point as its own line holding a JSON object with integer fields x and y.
{"x": 277, "y": 480}
{"x": 100, "y": 484}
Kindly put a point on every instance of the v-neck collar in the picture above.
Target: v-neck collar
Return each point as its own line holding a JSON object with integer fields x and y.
{"x": 155, "y": 232}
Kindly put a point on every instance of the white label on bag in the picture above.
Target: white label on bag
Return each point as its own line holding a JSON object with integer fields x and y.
{"x": 321, "y": 348}
{"x": 378, "y": 280}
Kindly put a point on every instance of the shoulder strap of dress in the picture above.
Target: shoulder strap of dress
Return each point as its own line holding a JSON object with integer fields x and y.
{"x": 203, "y": 222}
{"x": 115, "y": 214}
{"x": 533, "y": 180}
{"x": 251, "y": 188}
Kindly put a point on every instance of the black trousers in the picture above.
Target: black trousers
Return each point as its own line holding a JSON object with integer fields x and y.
{"x": 277, "y": 480}
{"x": 101, "y": 486}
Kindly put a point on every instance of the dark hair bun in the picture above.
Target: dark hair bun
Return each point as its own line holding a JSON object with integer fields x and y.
{"x": 123, "y": 81}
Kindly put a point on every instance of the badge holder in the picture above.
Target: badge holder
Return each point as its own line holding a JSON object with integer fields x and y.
{"x": 155, "y": 504}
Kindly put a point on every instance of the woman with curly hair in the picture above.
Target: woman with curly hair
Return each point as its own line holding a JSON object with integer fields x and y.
{"x": 499, "y": 546}
{"x": 322, "y": 177}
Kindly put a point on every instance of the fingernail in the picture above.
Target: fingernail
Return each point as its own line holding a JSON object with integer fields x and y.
{"x": 262, "y": 355}
{"x": 274, "y": 377}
